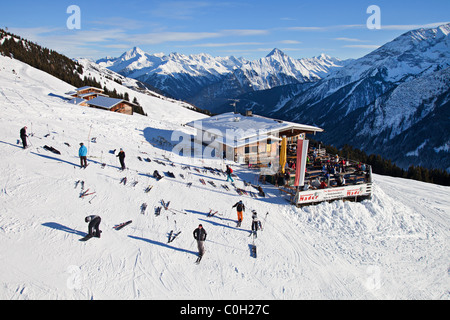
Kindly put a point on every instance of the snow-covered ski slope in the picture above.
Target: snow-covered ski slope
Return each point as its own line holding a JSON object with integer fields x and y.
{"x": 393, "y": 247}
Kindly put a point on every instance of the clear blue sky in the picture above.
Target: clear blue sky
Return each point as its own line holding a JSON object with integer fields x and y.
{"x": 250, "y": 28}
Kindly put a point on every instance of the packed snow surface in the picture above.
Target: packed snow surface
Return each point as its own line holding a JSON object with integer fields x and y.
{"x": 395, "y": 246}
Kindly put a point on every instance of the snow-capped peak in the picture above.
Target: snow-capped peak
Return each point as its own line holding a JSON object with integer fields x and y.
{"x": 276, "y": 53}
{"x": 135, "y": 52}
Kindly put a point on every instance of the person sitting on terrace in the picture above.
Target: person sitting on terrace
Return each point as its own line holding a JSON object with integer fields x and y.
{"x": 340, "y": 180}
{"x": 315, "y": 184}
{"x": 323, "y": 184}
{"x": 306, "y": 186}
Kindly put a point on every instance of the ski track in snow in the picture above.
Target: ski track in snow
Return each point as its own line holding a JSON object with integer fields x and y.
{"x": 392, "y": 247}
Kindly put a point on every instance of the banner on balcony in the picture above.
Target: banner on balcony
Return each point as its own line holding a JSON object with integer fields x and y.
{"x": 302, "y": 153}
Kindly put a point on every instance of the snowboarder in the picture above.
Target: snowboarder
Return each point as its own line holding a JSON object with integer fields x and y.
{"x": 23, "y": 136}
{"x": 229, "y": 171}
{"x": 200, "y": 235}
{"x": 240, "y": 208}
{"x": 256, "y": 224}
{"x": 121, "y": 156}
{"x": 94, "y": 223}
{"x": 82, "y": 152}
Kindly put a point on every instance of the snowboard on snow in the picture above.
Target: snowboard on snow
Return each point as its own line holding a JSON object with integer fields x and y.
{"x": 253, "y": 246}
{"x": 254, "y": 250}
{"x": 87, "y": 237}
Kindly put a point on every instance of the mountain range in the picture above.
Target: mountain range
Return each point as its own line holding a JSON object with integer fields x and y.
{"x": 207, "y": 81}
{"x": 393, "y": 101}
{"x": 394, "y": 246}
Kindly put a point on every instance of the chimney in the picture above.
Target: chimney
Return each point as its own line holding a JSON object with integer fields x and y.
{"x": 248, "y": 113}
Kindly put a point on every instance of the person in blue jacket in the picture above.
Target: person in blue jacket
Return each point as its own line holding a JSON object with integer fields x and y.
{"x": 82, "y": 152}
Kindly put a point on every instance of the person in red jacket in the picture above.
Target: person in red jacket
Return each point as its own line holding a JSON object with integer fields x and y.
{"x": 229, "y": 171}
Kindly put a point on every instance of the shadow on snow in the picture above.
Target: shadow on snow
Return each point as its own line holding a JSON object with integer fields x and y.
{"x": 165, "y": 245}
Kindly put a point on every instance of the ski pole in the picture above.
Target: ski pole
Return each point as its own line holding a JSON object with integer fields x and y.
{"x": 29, "y": 140}
{"x": 89, "y": 139}
{"x": 92, "y": 198}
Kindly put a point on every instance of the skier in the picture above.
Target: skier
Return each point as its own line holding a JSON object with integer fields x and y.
{"x": 121, "y": 156}
{"x": 229, "y": 171}
{"x": 256, "y": 224}
{"x": 240, "y": 207}
{"x": 94, "y": 223}
{"x": 82, "y": 152}
{"x": 23, "y": 136}
{"x": 200, "y": 235}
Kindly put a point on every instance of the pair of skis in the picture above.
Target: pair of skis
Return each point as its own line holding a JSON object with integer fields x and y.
{"x": 122, "y": 225}
{"x": 78, "y": 182}
{"x": 212, "y": 213}
{"x": 212, "y": 183}
{"x": 165, "y": 204}
{"x": 173, "y": 236}
{"x": 124, "y": 182}
{"x": 86, "y": 193}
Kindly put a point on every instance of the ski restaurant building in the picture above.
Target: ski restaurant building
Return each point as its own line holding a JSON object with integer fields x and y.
{"x": 281, "y": 151}
{"x": 250, "y": 139}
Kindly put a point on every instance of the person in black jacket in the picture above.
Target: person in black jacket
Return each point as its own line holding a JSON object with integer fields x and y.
{"x": 23, "y": 136}
{"x": 200, "y": 235}
{"x": 94, "y": 224}
{"x": 240, "y": 208}
{"x": 121, "y": 156}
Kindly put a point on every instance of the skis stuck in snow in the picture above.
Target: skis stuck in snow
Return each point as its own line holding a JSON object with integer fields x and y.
{"x": 165, "y": 204}
{"x": 173, "y": 236}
